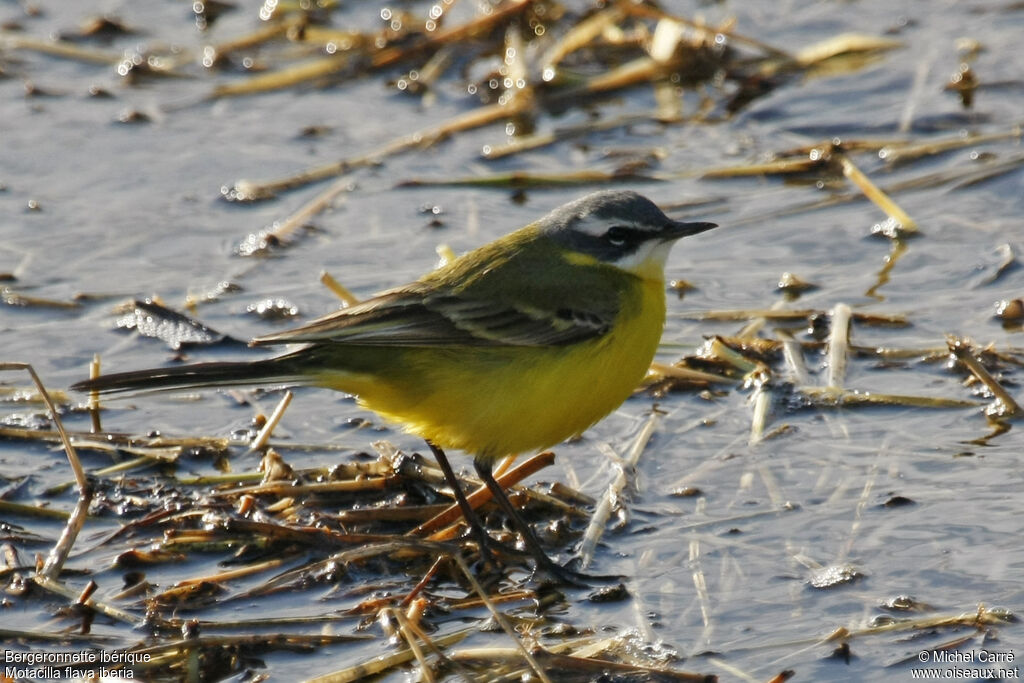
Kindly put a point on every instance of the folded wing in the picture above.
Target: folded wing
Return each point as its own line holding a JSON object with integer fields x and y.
{"x": 415, "y": 316}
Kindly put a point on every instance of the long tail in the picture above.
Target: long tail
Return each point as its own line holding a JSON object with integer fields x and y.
{"x": 267, "y": 371}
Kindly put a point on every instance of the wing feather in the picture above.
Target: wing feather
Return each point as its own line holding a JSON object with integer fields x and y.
{"x": 412, "y": 317}
{"x": 493, "y": 296}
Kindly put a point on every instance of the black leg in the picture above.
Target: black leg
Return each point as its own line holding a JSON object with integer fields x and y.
{"x": 483, "y": 540}
{"x": 544, "y": 563}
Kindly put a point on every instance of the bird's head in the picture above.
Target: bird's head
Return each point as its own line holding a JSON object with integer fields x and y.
{"x": 620, "y": 228}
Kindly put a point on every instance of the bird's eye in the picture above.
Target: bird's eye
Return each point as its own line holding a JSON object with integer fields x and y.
{"x": 618, "y": 235}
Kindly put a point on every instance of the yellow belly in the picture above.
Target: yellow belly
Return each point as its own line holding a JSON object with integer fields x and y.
{"x": 496, "y": 401}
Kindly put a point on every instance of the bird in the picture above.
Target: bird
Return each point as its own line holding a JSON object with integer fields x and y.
{"x": 513, "y": 347}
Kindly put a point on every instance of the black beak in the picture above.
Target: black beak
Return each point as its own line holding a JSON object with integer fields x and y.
{"x": 677, "y": 229}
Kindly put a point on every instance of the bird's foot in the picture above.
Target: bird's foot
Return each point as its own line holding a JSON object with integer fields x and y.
{"x": 563, "y": 575}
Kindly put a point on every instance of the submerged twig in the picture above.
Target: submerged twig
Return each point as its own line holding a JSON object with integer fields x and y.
{"x": 246, "y": 190}
{"x": 793, "y": 314}
{"x": 830, "y": 396}
{"x": 962, "y": 350}
{"x": 55, "y": 586}
{"x": 382, "y": 663}
{"x": 59, "y": 48}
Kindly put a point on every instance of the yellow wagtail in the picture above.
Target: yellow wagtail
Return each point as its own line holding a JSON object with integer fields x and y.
{"x": 513, "y": 347}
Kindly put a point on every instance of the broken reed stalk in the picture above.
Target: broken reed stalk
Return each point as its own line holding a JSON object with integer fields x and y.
{"x": 31, "y": 511}
{"x": 791, "y": 314}
{"x": 445, "y": 255}
{"x": 260, "y": 442}
{"x": 762, "y": 398}
{"x": 689, "y": 374}
{"x": 422, "y": 583}
{"x": 482, "y": 494}
{"x": 862, "y": 503}
{"x": 982, "y": 616}
{"x": 55, "y": 560}
{"x": 520, "y": 102}
{"x": 383, "y": 663}
{"x": 310, "y": 70}
{"x": 115, "y": 613}
{"x": 762, "y": 403}
{"x": 339, "y": 290}
{"x": 540, "y": 139}
{"x": 844, "y": 44}
{"x": 426, "y": 672}
{"x": 269, "y": 32}
{"x": 961, "y": 349}
{"x": 229, "y": 574}
{"x": 76, "y": 464}
{"x": 504, "y": 465}
{"x": 278, "y": 488}
{"x": 246, "y": 190}
{"x": 59, "y": 48}
{"x": 650, "y": 11}
{"x": 603, "y": 510}
{"x": 579, "y": 36}
{"x": 411, "y": 620}
{"x": 700, "y": 585}
{"x": 158, "y": 446}
{"x": 480, "y": 24}
{"x": 530, "y": 179}
{"x": 792, "y": 354}
{"x": 500, "y": 618}
{"x": 148, "y": 458}
{"x": 831, "y": 397}
{"x": 370, "y": 547}
{"x": 94, "y": 396}
{"x": 903, "y": 151}
{"x": 314, "y": 207}
{"x": 897, "y": 249}
{"x": 601, "y": 669}
{"x": 739, "y": 674}
{"x": 577, "y": 658}
{"x": 838, "y": 346}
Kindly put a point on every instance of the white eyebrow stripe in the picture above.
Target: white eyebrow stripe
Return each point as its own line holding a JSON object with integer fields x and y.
{"x": 592, "y": 225}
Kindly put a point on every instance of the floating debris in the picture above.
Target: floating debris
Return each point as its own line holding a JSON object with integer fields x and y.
{"x": 273, "y": 309}
{"x": 834, "y": 575}
{"x": 1010, "y": 310}
{"x": 150, "y": 318}
{"x": 794, "y": 285}
{"x": 102, "y": 28}
{"x": 12, "y": 298}
{"x": 964, "y": 352}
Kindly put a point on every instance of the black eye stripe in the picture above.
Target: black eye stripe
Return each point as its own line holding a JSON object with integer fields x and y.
{"x": 614, "y": 242}
{"x": 620, "y": 234}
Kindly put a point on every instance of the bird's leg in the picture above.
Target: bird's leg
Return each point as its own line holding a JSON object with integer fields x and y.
{"x": 482, "y": 539}
{"x": 544, "y": 563}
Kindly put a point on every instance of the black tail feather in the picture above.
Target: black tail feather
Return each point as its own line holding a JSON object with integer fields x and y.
{"x": 193, "y": 376}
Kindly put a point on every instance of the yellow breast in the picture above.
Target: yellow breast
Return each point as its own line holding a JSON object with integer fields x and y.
{"x": 496, "y": 401}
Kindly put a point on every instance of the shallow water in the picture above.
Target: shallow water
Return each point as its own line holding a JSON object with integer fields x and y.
{"x": 132, "y": 210}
